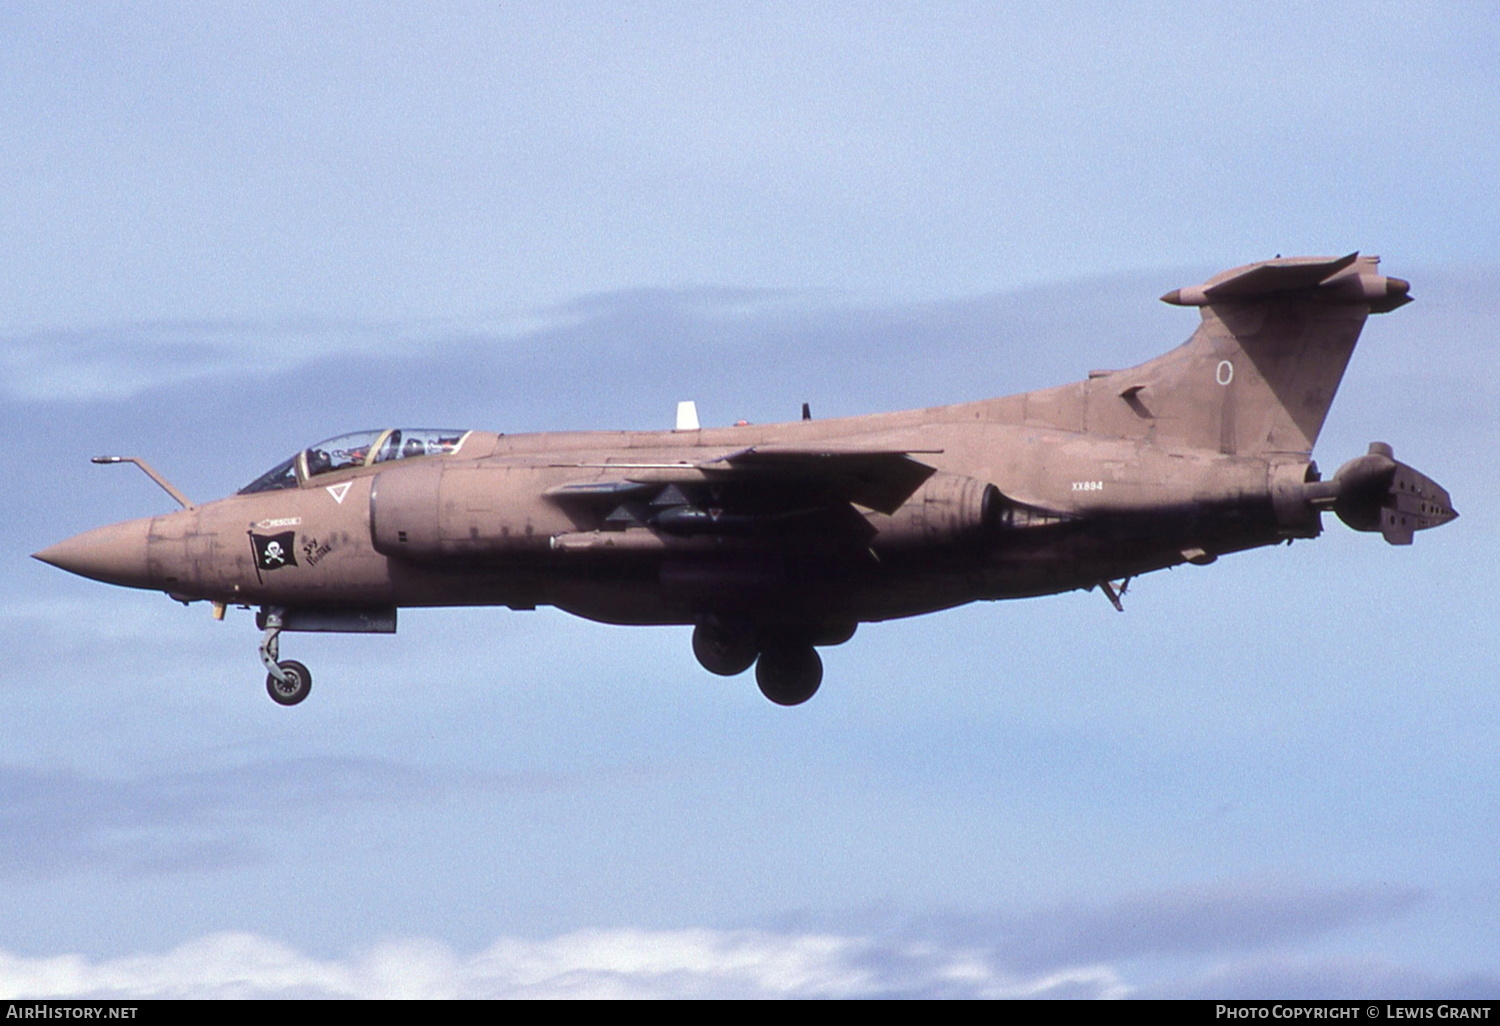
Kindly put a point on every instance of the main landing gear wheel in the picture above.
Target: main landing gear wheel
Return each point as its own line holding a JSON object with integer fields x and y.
{"x": 294, "y": 688}
{"x": 789, "y": 674}
{"x": 725, "y": 649}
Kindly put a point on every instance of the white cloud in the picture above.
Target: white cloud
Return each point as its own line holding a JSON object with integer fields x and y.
{"x": 950, "y": 956}
{"x": 596, "y": 963}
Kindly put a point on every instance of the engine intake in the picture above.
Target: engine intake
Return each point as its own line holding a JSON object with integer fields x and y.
{"x": 443, "y": 511}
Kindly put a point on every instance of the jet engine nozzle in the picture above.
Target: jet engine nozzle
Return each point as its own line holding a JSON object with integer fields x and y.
{"x": 1376, "y": 492}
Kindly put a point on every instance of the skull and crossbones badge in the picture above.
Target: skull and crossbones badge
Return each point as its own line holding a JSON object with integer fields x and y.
{"x": 274, "y": 551}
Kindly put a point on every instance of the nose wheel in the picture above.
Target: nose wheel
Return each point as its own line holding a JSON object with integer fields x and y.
{"x": 287, "y": 682}
{"x": 292, "y": 687}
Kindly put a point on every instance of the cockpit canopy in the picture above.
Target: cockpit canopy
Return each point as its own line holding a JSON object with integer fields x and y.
{"x": 357, "y": 449}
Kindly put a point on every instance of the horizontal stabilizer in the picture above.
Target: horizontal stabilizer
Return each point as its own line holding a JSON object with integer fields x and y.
{"x": 1279, "y": 276}
{"x": 1345, "y": 279}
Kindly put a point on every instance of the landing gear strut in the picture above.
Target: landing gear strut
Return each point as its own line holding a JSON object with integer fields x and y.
{"x": 286, "y": 682}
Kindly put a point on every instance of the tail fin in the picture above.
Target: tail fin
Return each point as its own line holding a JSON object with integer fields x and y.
{"x": 1259, "y": 374}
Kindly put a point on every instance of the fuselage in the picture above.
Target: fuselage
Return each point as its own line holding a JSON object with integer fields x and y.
{"x": 773, "y": 540}
{"x": 1075, "y": 509}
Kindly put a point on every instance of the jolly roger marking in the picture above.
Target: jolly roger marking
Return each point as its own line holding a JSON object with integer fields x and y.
{"x": 338, "y": 491}
{"x": 274, "y": 551}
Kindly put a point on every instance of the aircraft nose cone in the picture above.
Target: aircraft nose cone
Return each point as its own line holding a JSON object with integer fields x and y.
{"x": 115, "y": 554}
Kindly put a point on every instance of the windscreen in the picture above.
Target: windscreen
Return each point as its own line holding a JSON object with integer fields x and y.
{"x": 354, "y": 449}
{"x": 283, "y": 475}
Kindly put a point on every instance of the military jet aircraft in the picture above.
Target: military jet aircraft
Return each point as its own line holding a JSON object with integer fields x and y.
{"x": 772, "y": 540}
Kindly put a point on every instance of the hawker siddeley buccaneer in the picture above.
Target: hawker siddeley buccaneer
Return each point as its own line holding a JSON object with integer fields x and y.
{"x": 772, "y": 540}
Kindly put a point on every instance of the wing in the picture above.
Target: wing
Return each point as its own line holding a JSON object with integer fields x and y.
{"x": 878, "y": 479}
{"x": 758, "y": 490}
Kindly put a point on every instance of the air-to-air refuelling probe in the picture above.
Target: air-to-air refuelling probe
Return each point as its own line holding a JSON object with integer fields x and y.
{"x": 771, "y": 540}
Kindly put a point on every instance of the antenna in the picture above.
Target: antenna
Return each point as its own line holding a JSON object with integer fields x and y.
{"x": 150, "y": 472}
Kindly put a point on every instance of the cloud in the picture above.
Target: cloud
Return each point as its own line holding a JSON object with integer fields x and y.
{"x": 1314, "y": 978}
{"x": 121, "y": 361}
{"x": 55, "y": 822}
{"x": 59, "y": 822}
{"x": 113, "y": 362}
{"x": 1252, "y": 922}
{"x": 1069, "y": 951}
{"x": 706, "y": 333}
{"x": 1224, "y": 917}
{"x": 583, "y": 964}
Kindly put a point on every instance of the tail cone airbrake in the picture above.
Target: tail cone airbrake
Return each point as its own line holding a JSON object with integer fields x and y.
{"x": 1376, "y": 492}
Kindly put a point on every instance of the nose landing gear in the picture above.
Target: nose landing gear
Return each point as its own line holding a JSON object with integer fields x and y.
{"x": 287, "y": 682}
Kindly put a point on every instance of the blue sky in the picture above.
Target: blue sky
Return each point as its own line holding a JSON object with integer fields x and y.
{"x": 227, "y": 233}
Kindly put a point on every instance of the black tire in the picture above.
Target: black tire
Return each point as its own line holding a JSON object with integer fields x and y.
{"x": 789, "y": 674}
{"x": 295, "y": 689}
{"x": 835, "y": 633}
{"x": 725, "y": 649}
